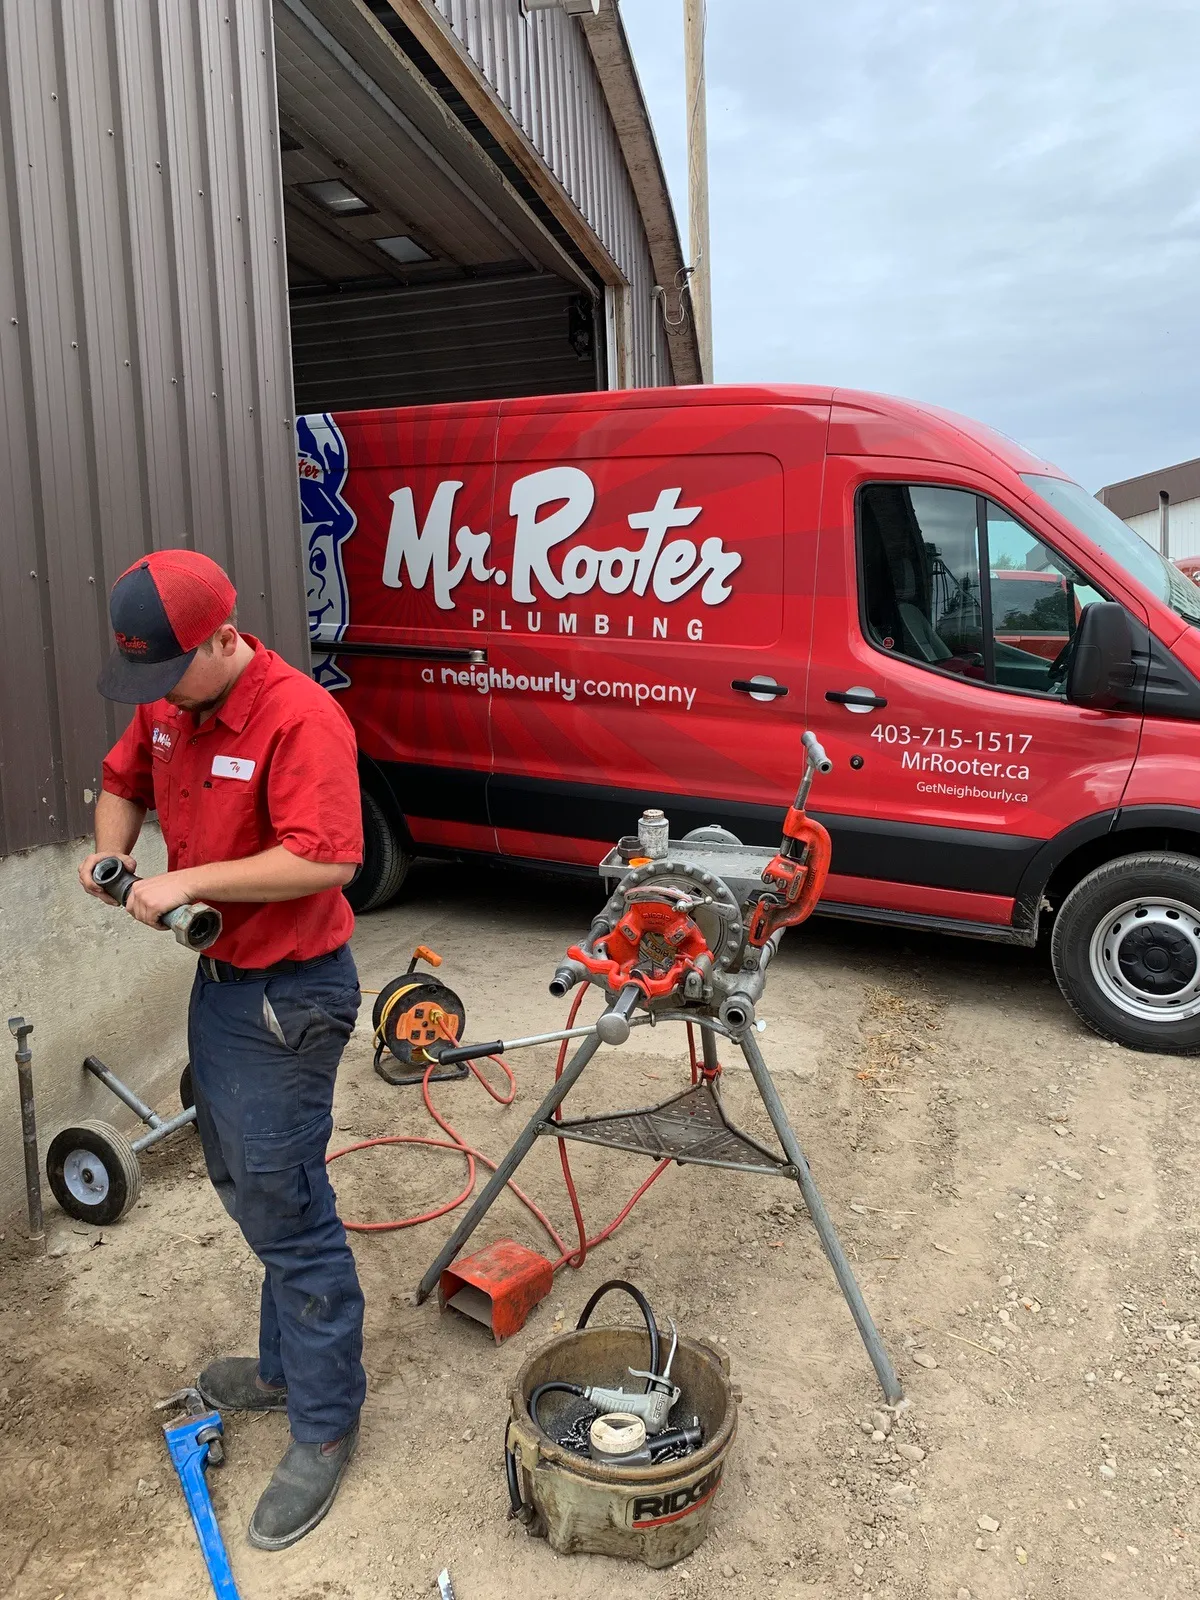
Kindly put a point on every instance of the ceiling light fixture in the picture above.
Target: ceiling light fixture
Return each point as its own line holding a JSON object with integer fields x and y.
{"x": 331, "y": 194}
{"x": 573, "y": 8}
{"x": 402, "y": 249}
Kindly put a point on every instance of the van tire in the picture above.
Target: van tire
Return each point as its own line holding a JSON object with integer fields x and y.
{"x": 1126, "y": 952}
{"x": 385, "y": 861}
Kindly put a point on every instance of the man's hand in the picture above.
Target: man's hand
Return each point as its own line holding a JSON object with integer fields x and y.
{"x": 151, "y": 898}
{"x": 118, "y": 823}
{"x": 87, "y": 866}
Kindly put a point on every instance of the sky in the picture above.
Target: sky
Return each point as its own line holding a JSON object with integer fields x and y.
{"x": 993, "y": 207}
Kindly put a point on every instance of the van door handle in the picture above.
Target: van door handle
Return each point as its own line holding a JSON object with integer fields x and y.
{"x": 856, "y": 699}
{"x": 760, "y": 688}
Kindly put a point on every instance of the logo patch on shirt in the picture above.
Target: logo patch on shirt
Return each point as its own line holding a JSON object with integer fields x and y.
{"x": 233, "y": 767}
{"x": 163, "y": 740}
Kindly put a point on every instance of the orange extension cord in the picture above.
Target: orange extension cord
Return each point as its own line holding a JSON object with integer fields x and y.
{"x": 568, "y": 1257}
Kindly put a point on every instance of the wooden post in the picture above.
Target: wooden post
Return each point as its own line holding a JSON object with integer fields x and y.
{"x": 695, "y": 15}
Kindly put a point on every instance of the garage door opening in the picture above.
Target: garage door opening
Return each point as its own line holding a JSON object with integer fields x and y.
{"x": 423, "y": 265}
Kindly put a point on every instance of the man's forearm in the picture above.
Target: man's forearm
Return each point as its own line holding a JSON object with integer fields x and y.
{"x": 275, "y": 874}
{"x": 118, "y": 823}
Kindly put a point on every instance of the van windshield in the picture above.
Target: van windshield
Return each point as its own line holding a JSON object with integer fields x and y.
{"x": 1119, "y": 542}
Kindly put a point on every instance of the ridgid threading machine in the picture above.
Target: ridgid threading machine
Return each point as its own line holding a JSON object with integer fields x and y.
{"x": 687, "y": 935}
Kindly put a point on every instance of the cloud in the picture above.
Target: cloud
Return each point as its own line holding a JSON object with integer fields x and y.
{"x": 994, "y": 208}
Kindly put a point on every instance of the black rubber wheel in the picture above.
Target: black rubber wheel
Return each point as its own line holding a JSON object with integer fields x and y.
{"x": 1126, "y": 951}
{"x": 187, "y": 1095}
{"x": 385, "y": 861}
{"x": 93, "y": 1172}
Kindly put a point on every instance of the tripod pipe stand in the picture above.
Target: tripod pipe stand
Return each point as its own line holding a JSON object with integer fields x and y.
{"x": 690, "y": 1128}
{"x": 687, "y": 937}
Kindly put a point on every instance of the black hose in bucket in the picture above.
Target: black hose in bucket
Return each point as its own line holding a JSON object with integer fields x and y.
{"x": 555, "y": 1386}
{"x": 643, "y": 1306}
{"x": 516, "y": 1504}
{"x": 517, "y": 1509}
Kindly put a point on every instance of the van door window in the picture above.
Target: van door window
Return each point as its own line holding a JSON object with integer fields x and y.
{"x": 1036, "y": 599}
{"x": 952, "y": 581}
{"x": 920, "y": 564}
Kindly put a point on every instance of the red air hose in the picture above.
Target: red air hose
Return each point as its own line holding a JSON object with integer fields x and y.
{"x": 455, "y": 1141}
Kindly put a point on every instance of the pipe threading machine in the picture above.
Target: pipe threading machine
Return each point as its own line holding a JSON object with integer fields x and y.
{"x": 687, "y": 935}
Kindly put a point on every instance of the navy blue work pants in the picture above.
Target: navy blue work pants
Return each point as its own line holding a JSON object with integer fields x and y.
{"x": 265, "y": 1054}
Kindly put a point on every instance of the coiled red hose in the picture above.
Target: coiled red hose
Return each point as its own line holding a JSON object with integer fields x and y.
{"x": 568, "y": 1257}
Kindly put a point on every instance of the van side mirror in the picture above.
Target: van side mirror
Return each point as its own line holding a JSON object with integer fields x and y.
{"x": 1101, "y": 668}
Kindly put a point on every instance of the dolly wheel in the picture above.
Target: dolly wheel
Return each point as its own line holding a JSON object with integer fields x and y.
{"x": 93, "y": 1172}
{"x": 187, "y": 1095}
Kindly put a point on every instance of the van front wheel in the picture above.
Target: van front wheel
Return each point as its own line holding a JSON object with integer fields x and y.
{"x": 1126, "y": 952}
{"x": 385, "y": 861}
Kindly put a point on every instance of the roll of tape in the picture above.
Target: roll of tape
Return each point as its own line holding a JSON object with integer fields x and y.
{"x": 618, "y": 1434}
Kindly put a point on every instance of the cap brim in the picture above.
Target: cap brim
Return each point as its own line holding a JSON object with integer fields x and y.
{"x": 138, "y": 683}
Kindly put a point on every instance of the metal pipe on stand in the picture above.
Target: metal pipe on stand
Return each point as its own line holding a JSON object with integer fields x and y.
{"x": 20, "y": 1030}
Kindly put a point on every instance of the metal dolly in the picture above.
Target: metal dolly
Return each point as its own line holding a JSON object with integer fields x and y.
{"x": 92, "y": 1168}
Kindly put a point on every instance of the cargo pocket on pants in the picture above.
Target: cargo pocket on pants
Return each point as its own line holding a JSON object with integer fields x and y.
{"x": 275, "y": 1198}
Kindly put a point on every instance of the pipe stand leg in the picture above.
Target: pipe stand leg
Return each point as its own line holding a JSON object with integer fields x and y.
{"x": 826, "y": 1232}
{"x": 708, "y": 1044}
{"x": 496, "y": 1184}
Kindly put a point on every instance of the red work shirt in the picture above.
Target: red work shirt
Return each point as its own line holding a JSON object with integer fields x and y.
{"x": 276, "y": 765}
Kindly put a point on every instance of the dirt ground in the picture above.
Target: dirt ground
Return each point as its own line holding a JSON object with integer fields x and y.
{"x": 1020, "y": 1201}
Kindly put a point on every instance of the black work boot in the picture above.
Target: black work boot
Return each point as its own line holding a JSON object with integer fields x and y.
{"x": 231, "y": 1384}
{"x": 300, "y": 1492}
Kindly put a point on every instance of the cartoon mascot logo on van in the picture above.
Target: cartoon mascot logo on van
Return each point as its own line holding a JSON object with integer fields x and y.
{"x": 327, "y": 519}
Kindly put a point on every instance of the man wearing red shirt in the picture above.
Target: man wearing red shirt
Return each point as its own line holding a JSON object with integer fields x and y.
{"x": 251, "y": 767}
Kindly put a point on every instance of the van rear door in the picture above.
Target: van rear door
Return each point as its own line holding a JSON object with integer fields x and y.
{"x": 650, "y": 642}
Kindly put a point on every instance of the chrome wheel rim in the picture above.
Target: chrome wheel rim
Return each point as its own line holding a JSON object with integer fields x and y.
{"x": 1145, "y": 959}
{"x": 86, "y": 1177}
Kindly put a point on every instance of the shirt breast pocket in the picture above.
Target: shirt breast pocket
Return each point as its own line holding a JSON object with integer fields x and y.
{"x": 230, "y": 823}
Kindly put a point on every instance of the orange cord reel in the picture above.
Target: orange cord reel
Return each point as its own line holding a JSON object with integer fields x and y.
{"x": 411, "y": 1014}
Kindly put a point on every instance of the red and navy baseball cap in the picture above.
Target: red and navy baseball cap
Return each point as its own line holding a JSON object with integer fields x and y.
{"x": 163, "y": 608}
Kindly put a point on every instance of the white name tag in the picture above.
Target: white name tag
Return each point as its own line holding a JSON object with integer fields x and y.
{"x": 233, "y": 767}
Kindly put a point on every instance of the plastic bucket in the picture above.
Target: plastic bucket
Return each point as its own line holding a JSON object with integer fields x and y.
{"x": 655, "y": 1514}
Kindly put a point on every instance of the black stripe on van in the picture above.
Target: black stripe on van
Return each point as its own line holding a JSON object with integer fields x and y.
{"x": 964, "y": 859}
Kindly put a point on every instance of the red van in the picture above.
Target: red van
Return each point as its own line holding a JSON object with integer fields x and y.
{"x": 543, "y": 615}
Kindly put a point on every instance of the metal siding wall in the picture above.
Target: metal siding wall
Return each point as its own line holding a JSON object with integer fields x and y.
{"x": 1183, "y": 528}
{"x": 540, "y": 67}
{"x": 144, "y": 355}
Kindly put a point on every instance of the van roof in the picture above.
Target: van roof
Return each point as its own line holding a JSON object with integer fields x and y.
{"x": 861, "y": 423}
{"x": 974, "y": 439}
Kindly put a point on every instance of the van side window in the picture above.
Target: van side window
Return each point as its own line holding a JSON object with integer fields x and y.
{"x": 1036, "y": 600}
{"x": 952, "y": 581}
{"x": 920, "y": 567}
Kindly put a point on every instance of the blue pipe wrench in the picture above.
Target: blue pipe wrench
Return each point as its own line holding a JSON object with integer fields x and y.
{"x": 193, "y": 1444}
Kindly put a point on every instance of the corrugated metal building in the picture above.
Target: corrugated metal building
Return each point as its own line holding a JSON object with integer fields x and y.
{"x": 452, "y": 199}
{"x": 503, "y": 155}
{"x": 144, "y": 365}
{"x": 1139, "y": 502}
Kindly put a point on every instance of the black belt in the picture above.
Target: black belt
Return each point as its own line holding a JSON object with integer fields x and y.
{"x": 226, "y": 972}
